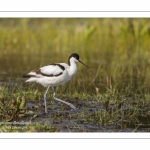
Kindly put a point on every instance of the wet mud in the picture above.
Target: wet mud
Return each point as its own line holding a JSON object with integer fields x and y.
{"x": 84, "y": 118}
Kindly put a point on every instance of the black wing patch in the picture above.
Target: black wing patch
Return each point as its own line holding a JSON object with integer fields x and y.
{"x": 59, "y": 65}
{"x": 51, "y": 75}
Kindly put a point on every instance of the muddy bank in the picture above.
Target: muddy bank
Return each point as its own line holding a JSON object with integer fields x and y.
{"x": 88, "y": 117}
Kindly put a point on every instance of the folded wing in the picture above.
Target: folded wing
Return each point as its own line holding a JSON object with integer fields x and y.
{"x": 51, "y": 70}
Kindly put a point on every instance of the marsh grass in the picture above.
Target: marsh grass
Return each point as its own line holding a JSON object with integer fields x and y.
{"x": 100, "y": 111}
{"x": 114, "y": 94}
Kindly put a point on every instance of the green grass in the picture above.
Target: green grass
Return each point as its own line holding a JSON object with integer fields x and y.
{"x": 118, "y": 85}
{"x": 111, "y": 110}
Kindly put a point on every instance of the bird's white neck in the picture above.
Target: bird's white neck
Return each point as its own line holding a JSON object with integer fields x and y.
{"x": 72, "y": 67}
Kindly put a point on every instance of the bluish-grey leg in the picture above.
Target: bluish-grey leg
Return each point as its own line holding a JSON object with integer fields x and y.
{"x": 45, "y": 99}
{"x": 72, "y": 106}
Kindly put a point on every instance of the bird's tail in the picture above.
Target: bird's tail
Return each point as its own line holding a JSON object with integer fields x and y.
{"x": 27, "y": 76}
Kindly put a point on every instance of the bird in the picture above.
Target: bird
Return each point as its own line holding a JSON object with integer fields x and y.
{"x": 55, "y": 74}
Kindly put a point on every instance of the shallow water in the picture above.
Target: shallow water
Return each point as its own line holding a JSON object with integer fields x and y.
{"x": 63, "y": 121}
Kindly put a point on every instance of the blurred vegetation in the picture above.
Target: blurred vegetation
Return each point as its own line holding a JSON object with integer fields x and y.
{"x": 118, "y": 49}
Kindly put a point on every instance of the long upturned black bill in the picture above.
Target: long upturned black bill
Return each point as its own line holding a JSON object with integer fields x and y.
{"x": 83, "y": 64}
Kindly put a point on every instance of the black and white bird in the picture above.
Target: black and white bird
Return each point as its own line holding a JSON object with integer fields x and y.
{"x": 54, "y": 75}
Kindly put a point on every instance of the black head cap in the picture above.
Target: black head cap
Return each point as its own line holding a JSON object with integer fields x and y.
{"x": 75, "y": 55}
